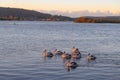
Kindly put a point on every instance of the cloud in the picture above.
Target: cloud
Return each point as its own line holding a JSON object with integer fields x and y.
{"x": 81, "y": 13}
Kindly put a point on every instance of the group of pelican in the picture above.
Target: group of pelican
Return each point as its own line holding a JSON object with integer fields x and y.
{"x": 75, "y": 54}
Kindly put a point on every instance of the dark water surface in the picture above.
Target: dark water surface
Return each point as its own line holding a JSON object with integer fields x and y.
{"x": 22, "y": 44}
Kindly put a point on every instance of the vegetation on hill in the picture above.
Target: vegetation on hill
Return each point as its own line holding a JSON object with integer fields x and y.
{"x": 23, "y": 14}
{"x": 109, "y": 19}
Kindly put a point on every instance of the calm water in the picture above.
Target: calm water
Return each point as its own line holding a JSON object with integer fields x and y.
{"x": 22, "y": 44}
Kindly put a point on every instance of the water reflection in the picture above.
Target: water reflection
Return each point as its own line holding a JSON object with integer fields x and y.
{"x": 20, "y": 46}
{"x": 90, "y": 63}
{"x": 70, "y": 68}
{"x": 45, "y": 59}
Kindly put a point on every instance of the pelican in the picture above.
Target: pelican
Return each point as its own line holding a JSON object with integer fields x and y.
{"x": 56, "y": 52}
{"x": 76, "y": 53}
{"x": 66, "y": 55}
{"x": 71, "y": 64}
{"x": 90, "y": 57}
{"x": 47, "y": 54}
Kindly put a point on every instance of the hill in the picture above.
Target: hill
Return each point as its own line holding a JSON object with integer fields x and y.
{"x": 108, "y": 19}
{"x": 23, "y": 14}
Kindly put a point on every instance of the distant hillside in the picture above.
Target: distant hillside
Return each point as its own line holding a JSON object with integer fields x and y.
{"x": 108, "y": 19}
{"x": 23, "y": 14}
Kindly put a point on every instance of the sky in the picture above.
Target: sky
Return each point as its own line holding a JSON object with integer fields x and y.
{"x": 72, "y": 8}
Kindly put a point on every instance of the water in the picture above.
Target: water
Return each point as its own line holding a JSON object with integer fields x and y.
{"x": 22, "y": 44}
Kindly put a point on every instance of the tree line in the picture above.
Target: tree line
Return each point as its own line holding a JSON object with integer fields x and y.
{"x": 23, "y": 14}
{"x": 109, "y": 19}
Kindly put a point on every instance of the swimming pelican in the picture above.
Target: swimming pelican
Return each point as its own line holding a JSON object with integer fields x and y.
{"x": 76, "y": 54}
{"x": 73, "y": 49}
{"x": 90, "y": 57}
{"x": 56, "y": 52}
{"x": 66, "y": 55}
{"x": 71, "y": 64}
{"x": 47, "y": 54}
